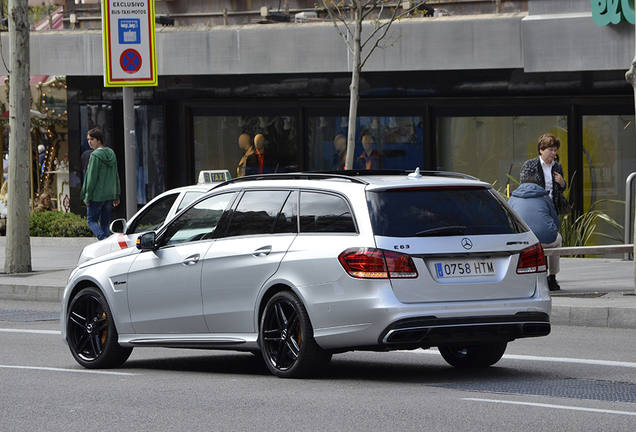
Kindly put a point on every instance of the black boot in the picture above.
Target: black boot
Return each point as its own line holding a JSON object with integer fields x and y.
{"x": 553, "y": 285}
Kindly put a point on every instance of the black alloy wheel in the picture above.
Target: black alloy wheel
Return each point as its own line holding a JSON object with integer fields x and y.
{"x": 473, "y": 356}
{"x": 91, "y": 333}
{"x": 286, "y": 339}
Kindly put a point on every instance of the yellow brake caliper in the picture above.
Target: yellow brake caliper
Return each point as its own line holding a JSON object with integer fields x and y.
{"x": 105, "y": 333}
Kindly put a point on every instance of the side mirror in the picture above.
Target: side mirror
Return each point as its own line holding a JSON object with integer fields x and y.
{"x": 147, "y": 241}
{"x": 118, "y": 226}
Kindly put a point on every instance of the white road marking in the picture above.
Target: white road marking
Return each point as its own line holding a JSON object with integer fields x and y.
{"x": 49, "y": 332}
{"x": 563, "y": 407}
{"x": 434, "y": 351}
{"x": 571, "y": 360}
{"x": 50, "y": 369}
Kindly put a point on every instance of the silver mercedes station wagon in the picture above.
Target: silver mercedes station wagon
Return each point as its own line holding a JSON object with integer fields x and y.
{"x": 298, "y": 267}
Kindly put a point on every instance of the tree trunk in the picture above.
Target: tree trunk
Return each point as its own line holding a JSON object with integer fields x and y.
{"x": 18, "y": 247}
{"x": 354, "y": 87}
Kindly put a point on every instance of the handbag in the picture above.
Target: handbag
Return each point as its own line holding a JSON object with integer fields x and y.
{"x": 563, "y": 206}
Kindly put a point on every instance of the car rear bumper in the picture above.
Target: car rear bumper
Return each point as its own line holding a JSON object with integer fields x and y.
{"x": 431, "y": 331}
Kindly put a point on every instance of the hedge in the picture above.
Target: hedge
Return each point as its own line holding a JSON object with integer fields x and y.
{"x": 58, "y": 224}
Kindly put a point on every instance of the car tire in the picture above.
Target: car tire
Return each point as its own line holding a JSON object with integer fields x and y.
{"x": 91, "y": 332}
{"x": 286, "y": 339}
{"x": 473, "y": 356}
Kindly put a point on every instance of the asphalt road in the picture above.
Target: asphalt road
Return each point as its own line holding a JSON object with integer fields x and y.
{"x": 575, "y": 379}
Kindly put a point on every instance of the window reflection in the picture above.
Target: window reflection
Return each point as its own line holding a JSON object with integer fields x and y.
{"x": 150, "y": 144}
{"x": 245, "y": 145}
{"x": 381, "y": 143}
{"x": 92, "y": 116}
{"x": 493, "y": 149}
{"x": 608, "y": 159}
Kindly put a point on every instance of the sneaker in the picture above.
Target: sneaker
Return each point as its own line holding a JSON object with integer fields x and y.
{"x": 553, "y": 285}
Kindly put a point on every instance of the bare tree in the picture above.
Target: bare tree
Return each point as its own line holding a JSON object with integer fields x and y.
{"x": 347, "y": 17}
{"x": 18, "y": 247}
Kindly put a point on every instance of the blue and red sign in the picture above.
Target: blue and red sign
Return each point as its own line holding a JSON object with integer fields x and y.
{"x": 130, "y": 61}
{"x": 129, "y": 43}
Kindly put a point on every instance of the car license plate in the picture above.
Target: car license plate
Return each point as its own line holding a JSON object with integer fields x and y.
{"x": 465, "y": 268}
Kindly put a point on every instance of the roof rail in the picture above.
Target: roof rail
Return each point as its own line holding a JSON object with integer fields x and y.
{"x": 348, "y": 175}
{"x": 380, "y": 172}
{"x": 296, "y": 176}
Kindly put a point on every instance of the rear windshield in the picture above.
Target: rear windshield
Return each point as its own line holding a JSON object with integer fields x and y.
{"x": 427, "y": 212}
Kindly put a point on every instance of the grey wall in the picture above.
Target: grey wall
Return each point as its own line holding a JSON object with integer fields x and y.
{"x": 536, "y": 43}
{"x": 572, "y": 42}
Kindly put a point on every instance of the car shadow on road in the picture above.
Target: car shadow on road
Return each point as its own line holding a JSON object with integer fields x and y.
{"x": 377, "y": 367}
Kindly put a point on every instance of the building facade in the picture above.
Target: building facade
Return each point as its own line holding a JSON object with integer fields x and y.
{"x": 469, "y": 89}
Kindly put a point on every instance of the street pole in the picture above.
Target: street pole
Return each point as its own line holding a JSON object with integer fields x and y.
{"x": 630, "y": 76}
{"x": 130, "y": 152}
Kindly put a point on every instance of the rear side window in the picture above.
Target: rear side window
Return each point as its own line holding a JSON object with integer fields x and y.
{"x": 427, "y": 212}
{"x": 324, "y": 213}
{"x": 256, "y": 213}
{"x": 199, "y": 221}
{"x": 188, "y": 197}
{"x": 287, "y": 222}
{"x": 154, "y": 216}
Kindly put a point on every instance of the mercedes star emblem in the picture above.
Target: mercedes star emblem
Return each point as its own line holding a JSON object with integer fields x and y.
{"x": 466, "y": 243}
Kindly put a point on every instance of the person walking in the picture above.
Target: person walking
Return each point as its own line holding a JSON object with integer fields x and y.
{"x": 101, "y": 188}
{"x": 532, "y": 203}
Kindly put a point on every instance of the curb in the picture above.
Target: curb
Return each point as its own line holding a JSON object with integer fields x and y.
{"x": 581, "y": 316}
{"x": 31, "y": 293}
{"x": 609, "y": 310}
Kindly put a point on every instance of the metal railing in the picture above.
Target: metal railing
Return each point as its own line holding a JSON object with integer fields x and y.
{"x": 629, "y": 218}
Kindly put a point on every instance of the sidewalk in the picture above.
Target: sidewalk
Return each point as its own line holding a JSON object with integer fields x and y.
{"x": 595, "y": 292}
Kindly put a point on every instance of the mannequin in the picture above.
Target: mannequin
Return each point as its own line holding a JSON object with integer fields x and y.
{"x": 369, "y": 159}
{"x": 249, "y": 162}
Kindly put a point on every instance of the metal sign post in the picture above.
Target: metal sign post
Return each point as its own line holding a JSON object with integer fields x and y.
{"x": 128, "y": 29}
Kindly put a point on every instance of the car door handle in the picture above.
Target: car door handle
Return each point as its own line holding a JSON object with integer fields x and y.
{"x": 263, "y": 251}
{"x": 191, "y": 260}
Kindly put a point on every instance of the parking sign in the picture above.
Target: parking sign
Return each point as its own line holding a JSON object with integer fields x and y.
{"x": 129, "y": 43}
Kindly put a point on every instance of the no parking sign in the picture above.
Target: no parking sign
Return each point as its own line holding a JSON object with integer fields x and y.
{"x": 129, "y": 43}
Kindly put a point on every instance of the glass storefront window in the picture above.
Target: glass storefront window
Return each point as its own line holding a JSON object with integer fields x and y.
{"x": 381, "y": 142}
{"x": 494, "y": 148}
{"x": 151, "y": 167}
{"x": 608, "y": 159}
{"x": 92, "y": 116}
{"x": 216, "y": 143}
{"x": 150, "y": 145}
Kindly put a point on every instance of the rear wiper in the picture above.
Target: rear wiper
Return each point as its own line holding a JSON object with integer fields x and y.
{"x": 447, "y": 230}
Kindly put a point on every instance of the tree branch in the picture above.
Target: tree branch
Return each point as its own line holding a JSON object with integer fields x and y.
{"x": 339, "y": 19}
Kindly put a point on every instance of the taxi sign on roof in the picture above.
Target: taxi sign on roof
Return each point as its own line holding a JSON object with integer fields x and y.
{"x": 129, "y": 43}
{"x": 213, "y": 176}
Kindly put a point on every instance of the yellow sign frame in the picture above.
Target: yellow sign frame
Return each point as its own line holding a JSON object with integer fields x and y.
{"x": 129, "y": 61}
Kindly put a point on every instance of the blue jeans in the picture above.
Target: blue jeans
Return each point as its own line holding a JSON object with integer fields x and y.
{"x": 99, "y": 212}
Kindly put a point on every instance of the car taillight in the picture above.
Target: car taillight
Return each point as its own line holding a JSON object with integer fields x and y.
{"x": 531, "y": 260}
{"x": 371, "y": 263}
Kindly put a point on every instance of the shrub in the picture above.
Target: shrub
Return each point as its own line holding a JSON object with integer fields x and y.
{"x": 58, "y": 224}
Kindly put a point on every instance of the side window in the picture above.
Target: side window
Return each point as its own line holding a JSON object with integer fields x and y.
{"x": 154, "y": 216}
{"x": 256, "y": 213}
{"x": 199, "y": 221}
{"x": 287, "y": 221}
{"x": 188, "y": 197}
{"x": 322, "y": 213}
